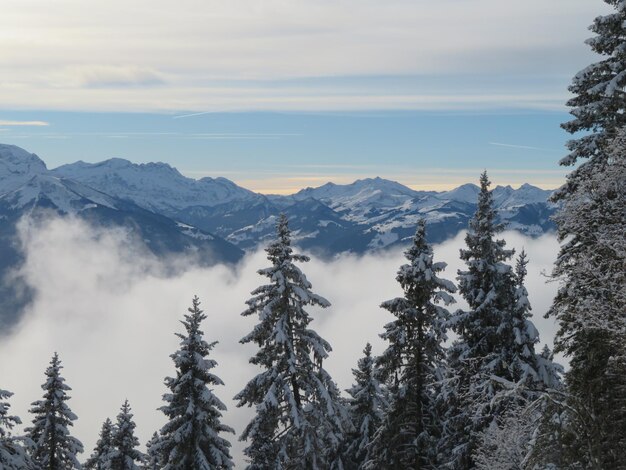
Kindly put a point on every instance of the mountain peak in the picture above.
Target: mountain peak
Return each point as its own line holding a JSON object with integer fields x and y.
{"x": 17, "y": 160}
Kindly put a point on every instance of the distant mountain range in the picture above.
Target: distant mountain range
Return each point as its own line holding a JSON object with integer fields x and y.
{"x": 218, "y": 220}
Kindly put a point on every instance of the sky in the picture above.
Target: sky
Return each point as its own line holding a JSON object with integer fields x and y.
{"x": 110, "y": 311}
{"x": 282, "y": 94}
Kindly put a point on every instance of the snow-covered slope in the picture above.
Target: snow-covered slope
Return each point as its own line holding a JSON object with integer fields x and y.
{"x": 17, "y": 166}
{"x": 359, "y": 200}
{"x": 154, "y": 186}
{"x": 368, "y": 214}
{"x": 66, "y": 196}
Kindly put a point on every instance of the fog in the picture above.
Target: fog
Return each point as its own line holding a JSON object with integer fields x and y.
{"x": 111, "y": 310}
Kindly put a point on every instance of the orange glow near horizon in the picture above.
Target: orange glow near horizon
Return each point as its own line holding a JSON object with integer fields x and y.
{"x": 288, "y": 185}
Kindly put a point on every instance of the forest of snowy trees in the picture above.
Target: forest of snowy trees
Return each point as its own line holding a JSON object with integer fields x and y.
{"x": 491, "y": 398}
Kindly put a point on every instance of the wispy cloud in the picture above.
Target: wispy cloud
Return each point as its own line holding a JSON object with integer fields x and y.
{"x": 24, "y": 123}
{"x": 96, "y": 60}
{"x": 523, "y": 147}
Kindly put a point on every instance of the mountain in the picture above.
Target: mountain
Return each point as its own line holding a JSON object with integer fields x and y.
{"x": 28, "y": 189}
{"x": 216, "y": 220}
{"x": 369, "y": 214}
{"x": 174, "y": 213}
{"x": 154, "y": 186}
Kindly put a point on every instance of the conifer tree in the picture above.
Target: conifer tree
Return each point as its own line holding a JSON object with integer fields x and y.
{"x": 366, "y": 406}
{"x": 413, "y": 363}
{"x": 153, "y": 457}
{"x": 13, "y": 455}
{"x": 53, "y": 448}
{"x": 100, "y": 457}
{"x": 493, "y": 362}
{"x": 299, "y": 417}
{"x": 191, "y": 438}
{"x": 124, "y": 454}
{"x": 590, "y": 306}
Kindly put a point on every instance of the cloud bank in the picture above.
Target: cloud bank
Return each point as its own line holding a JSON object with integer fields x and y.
{"x": 111, "y": 312}
{"x": 217, "y": 55}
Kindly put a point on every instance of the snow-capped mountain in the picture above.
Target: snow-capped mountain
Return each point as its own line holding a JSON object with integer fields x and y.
{"x": 154, "y": 186}
{"x": 28, "y": 189}
{"x": 216, "y": 219}
{"x": 17, "y": 166}
{"x": 368, "y": 214}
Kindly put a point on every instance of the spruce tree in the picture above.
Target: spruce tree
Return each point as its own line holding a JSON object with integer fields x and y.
{"x": 191, "y": 438}
{"x": 599, "y": 104}
{"x": 590, "y": 306}
{"x": 366, "y": 406}
{"x": 487, "y": 286}
{"x": 13, "y": 455}
{"x": 413, "y": 363}
{"x": 100, "y": 456}
{"x": 153, "y": 456}
{"x": 124, "y": 454}
{"x": 53, "y": 448}
{"x": 299, "y": 418}
{"x": 590, "y": 309}
{"x": 493, "y": 363}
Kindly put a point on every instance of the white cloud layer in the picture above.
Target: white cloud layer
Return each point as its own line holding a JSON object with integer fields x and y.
{"x": 211, "y": 55}
{"x": 111, "y": 313}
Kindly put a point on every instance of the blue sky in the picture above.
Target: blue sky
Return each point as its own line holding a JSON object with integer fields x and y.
{"x": 281, "y": 95}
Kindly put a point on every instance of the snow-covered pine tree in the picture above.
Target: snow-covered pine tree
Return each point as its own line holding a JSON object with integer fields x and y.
{"x": 488, "y": 286}
{"x": 299, "y": 417}
{"x": 124, "y": 454}
{"x": 366, "y": 406}
{"x": 153, "y": 457}
{"x": 13, "y": 455}
{"x": 591, "y": 223}
{"x": 414, "y": 362}
{"x": 528, "y": 369}
{"x": 191, "y": 438}
{"x": 590, "y": 305}
{"x": 53, "y": 448}
{"x": 493, "y": 362}
{"x": 100, "y": 455}
{"x": 599, "y": 104}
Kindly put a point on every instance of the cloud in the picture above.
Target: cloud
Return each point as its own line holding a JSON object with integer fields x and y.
{"x": 56, "y": 60}
{"x": 105, "y": 76}
{"x": 24, "y": 123}
{"x": 111, "y": 312}
{"x": 523, "y": 147}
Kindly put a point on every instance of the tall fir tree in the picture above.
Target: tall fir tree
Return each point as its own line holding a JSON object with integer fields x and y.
{"x": 414, "y": 362}
{"x": 124, "y": 454}
{"x": 487, "y": 286}
{"x": 53, "y": 448}
{"x": 590, "y": 307}
{"x": 191, "y": 439}
{"x": 591, "y": 222}
{"x": 494, "y": 357}
{"x": 100, "y": 456}
{"x": 13, "y": 455}
{"x": 366, "y": 407}
{"x": 299, "y": 418}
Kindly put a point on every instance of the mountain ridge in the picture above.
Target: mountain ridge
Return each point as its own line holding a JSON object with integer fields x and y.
{"x": 367, "y": 214}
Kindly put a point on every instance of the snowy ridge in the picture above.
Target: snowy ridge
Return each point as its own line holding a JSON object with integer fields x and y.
{"x": 155, "y": 186}
{"x": 66, "y": 195}
{"x": 368, "y": 214}
{"x": 17, "y": 166}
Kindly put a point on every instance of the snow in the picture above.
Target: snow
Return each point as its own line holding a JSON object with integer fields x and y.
{"x": 68, "y": 196}
{"x": 155, "y": 186}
